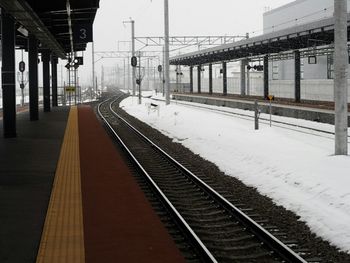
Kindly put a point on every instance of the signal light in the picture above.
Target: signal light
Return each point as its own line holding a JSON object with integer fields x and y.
{"x": 134, "y": 61}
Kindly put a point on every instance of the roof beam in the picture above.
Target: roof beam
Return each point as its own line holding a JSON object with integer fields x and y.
{"x": 26, "y": 16}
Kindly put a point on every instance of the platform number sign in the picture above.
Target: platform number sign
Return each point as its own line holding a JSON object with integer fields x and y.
{"x": 82, "y": 33}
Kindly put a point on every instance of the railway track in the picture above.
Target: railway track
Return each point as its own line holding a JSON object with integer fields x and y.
{"x": 266, "y": 121}
{"x": 217, "y": 228}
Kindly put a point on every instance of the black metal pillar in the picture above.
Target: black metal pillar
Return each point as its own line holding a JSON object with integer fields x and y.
{"x": 8, "y": 75}
{"x": 33, "y": 78}
{"x": 297, "y": 63}
{"x": 199, "y": 73}
{"x": 54, "y": 61}
{"x": 210, "y": 79}
{"x": 45, "y": 56}
{"x": 266, "y": 76}
{"x": 224, "y": 78}
{"x": 191, "y": 79}
{"x": 243, "y": 76}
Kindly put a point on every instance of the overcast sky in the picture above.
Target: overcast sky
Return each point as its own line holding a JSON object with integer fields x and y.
{"x": 187, "y": 18}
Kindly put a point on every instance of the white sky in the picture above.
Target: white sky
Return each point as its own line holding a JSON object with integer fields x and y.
{"x": 187, "y": 17}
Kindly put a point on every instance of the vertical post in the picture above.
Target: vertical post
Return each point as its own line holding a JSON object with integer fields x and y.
{"x": 256, "y": 115}
{"x": 166, "y": 52}
{"x": 69, "y": 85}
{"x": 177, "y": 78}
{"x": 75, "y": 85}
{"x": 340, "y": 77}
{"x": 93, "y": 69}
{"x": 54, "y": 62}
{"x": 224, "y": 78}
{"x": 160, "y": 80}
{"x": 46, "y": 79}
{"x": 243, "y": 76}
{"x": 128, "y": 65}
{"x": 163, "y": 72}
{"x": 210, "y": 78}
{"x": 96, "y": 87}
{"x": 64, "y": 94}
{"x": 139, "y": 77}
{"x": 148, "y": 74}
{"x": 191, "y": 79}
{"x": 297, "y": 76}
{"x": 33, "y": 78}
{"x": 199, "y": 72}
{"x": 266, "y": 77}
{"x": 133, "y": 79}
{"x": 8, "y": 75}
{"x": 248, "y": 81}
{"x": 124, "y": 75}
{"x": 154, "y": 79}
{"x": 180, "y": 80}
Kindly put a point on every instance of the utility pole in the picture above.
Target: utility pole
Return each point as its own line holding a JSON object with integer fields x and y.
{"x": 132, "y": 54}
{"x": 340, "y": 77}
{"x": 128, "y": 64}
{"x": 140, "y": 79}
{"x": 124, "y": 75}
{"x": 93, "y": 69}
{"x": 163, "y": 74}
{"x": 166, "y": 52}
{"x": 148, "y": 74}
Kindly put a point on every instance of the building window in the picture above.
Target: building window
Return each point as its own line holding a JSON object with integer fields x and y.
{"x": 275, "y": 71}
{"x": 330, "y": 67}
{"x": 302, "y": 69}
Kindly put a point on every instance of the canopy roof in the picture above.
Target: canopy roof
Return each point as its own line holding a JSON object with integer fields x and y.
{"x": 311, "y": 35}
{"x": 52, "y": 22}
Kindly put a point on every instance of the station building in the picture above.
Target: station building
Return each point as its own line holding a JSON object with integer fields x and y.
{"x": 316, "y": 71}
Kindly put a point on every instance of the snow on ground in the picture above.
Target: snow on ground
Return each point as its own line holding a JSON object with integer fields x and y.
{"x": 297, "y": 170}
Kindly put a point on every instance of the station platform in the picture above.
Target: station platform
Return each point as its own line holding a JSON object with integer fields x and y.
{"x": 67, "y": 196}
{"x": 307, "y": 110}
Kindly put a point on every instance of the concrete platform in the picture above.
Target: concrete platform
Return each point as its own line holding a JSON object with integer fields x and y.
{"x": 27, "y": 169}
{"x": 298, "y": 112}
{"x": 66, "y": 195}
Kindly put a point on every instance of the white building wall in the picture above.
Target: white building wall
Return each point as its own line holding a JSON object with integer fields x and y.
{"x": 297, "y": 13}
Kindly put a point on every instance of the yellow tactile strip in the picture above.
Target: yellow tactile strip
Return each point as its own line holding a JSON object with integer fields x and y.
{"x": 63, "y": 237}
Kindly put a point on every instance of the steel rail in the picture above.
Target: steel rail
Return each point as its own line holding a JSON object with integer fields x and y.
{"x": 266, "y": 121}
{"x": 204, "y": 252}
{"x": 271, "y": 241}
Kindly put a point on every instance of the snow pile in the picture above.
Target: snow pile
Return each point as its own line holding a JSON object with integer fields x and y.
{"x": 296, "y": 169}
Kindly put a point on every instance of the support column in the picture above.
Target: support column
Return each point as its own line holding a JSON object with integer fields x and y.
{"x": 340, "y": 77}
{"x": 248, "y": 81}
{"x": 266, "y": 76}
{"x": 33, "y": 78}
{"x": 210, "y": 79}
{"x": 297, "y": 75}
{"x": 46, "y": 79}
{"x": 199, "y": 72}
{"x": 191, "y": 79}
{"x": 54, "y": 61}
{"x": 243, "y": 76}
{"x": 8, "y": 75}
{"x": 224, "y": 78}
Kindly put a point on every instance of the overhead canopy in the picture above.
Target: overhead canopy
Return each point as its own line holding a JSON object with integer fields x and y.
{"x": 319, "y": 33}
{"x": 54, "y": 22}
